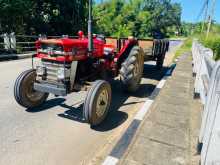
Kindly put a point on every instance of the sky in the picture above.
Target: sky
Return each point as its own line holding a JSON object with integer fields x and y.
{"x": 191, "y": 9}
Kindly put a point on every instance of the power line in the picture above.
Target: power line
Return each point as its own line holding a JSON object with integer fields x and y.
{"x": 212, "y": 12}
{"x": 205, "y": 15}
{"x": 204, "y": 7}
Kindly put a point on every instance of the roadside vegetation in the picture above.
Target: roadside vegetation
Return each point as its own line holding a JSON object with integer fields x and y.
{"x": 212, "y": 42}
{"x": 194, "y": 31}
{"x": 186, "y": 47}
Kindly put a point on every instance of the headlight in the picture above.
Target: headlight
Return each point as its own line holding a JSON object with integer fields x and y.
{"x": 40, "y": 70}
{"x": 61, "y": 73}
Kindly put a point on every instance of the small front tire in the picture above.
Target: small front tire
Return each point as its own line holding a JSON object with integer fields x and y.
{"x": 97, "y": 102}
{"x": 24, "y": 92}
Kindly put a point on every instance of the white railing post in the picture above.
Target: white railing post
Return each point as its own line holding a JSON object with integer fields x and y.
{"x": 6, "y": 41}
{"x": 210, "y": 130}
{"x": 207, "y": 84}
{"x": 12, "y": 41}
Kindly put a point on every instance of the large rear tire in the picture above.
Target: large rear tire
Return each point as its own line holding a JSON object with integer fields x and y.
{"x": 132, "y": 69}
{"x": 24, "y": 92}
{"x": 97, "y": 102}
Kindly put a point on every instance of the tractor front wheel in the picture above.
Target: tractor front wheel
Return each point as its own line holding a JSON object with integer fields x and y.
{"x": 132, "y": 69}
{"x": 24, "y": 92}
{"x": 97, "y": 102}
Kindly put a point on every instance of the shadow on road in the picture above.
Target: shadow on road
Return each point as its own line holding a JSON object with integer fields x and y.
{"x": 151, "y": 72}
{"x": 116, "y": 117}
{"x": 119, "y": 98}
{"x": 73, "y": 113}
{"x": 47, "y": 105}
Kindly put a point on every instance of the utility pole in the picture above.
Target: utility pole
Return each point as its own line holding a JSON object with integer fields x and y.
{"x": 206, "y": 15}
{"x": 212, "y": 12}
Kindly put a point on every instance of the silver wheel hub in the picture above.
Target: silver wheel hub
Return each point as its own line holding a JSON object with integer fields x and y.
{"x": 102, "y": 103}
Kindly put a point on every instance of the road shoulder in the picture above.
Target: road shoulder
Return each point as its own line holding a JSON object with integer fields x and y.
{"x": 168, "y": 134}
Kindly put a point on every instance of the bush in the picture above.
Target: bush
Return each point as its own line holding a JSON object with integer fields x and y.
{"x": 212, "y": 42}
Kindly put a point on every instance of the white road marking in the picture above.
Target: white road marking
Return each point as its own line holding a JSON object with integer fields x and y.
{"x": 161, "y": 84}
{"x": 110, "y": 161}
{"x": 141, "y": 113}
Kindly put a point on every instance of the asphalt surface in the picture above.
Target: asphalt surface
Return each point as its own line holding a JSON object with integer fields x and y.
{"x": 56, "y": 133}
{"x": 174, "y": 44}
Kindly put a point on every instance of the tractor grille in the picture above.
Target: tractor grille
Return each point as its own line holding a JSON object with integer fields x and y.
{"x": 52, "y": 69}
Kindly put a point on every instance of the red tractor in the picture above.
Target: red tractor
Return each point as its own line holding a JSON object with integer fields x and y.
{"x": 68, "y": 65}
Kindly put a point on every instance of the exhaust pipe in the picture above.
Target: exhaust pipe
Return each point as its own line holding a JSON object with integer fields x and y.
{"x": 90, "y": 36}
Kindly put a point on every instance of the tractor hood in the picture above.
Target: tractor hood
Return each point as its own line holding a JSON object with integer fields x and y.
{"x": 70, "y": 42}
{"x": 77, "y": 48}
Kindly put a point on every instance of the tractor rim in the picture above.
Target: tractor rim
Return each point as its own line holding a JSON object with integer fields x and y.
{"x": 102, "y": 103}
{"x": 32, "y": 94}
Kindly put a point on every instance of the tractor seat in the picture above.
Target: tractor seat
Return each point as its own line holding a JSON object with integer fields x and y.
{"x": 101, "y": 37}
{"x": 109, "y": 50}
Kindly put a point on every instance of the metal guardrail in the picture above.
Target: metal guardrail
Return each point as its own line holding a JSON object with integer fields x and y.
{"x": 207, "y": 86}
{"x": 12, "y": 44}
{"x": 15, "y": 44}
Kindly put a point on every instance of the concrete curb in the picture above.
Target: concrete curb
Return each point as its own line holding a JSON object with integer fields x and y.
{"x": 123, "y": 143}
{"x": 15, "y": 56}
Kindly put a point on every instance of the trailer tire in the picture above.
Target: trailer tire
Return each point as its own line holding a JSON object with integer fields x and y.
{"x": 132, "y": 69}
{"x": 159, "y": 63}
{"x": 24, "y": 93}
{"x": 97, "y": 102}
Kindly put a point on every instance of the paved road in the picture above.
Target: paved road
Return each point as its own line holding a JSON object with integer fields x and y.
{"x": 174, "y": 44}
{"x": 55, "y": 134}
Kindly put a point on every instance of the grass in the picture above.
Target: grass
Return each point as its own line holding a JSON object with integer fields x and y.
{"x": 186, "y": 47}
{"x": 212, "y": 42}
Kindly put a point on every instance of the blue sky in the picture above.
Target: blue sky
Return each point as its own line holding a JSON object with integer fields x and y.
{"x": 191, "y": 9}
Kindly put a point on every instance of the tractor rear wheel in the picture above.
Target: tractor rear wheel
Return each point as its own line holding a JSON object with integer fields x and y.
{"x": 132, "y": 69}
{"x": 24, "y": 92}
{"x": 97, "y": 102}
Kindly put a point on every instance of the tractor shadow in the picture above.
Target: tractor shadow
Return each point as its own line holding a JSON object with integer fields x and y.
{"x": 73, "y": 113}
{"x": 115, "y": 117}
{"x": 151, "y": 72}
{"x": 47, "y": 105}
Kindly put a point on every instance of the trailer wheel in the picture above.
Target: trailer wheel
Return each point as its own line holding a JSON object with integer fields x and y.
{"x": 159, "y": 63}
{"x": 24, "y": 93}
{"x": 97, "y": 102}
{"x": 132, "y": 69}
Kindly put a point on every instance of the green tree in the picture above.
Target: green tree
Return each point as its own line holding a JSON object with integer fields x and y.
{"x": 52, "y": 17}
{"x": 141, "y": 18}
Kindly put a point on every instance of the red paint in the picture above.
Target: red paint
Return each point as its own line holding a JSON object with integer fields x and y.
{"x": 76, "y": 49}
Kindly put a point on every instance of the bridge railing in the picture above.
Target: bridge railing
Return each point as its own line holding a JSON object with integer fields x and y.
{"x": 11, "y": 43}
{"x": 207, "y": 86}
